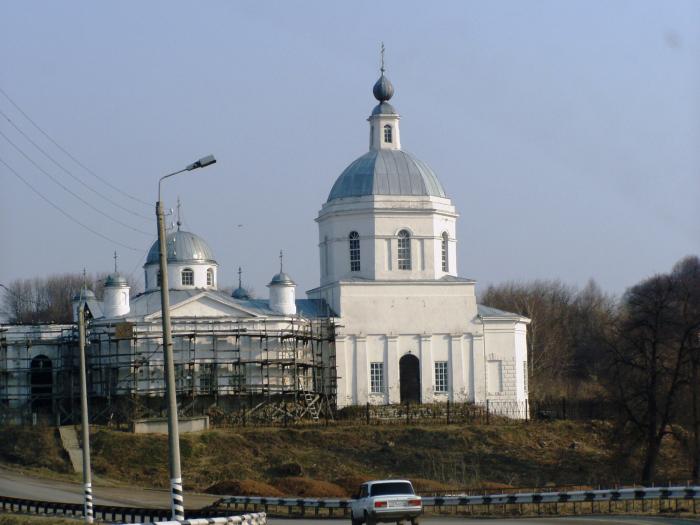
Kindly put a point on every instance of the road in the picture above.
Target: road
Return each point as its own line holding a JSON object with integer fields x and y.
{"x": 613, "y": 520}
{"x": 16, "y": 485}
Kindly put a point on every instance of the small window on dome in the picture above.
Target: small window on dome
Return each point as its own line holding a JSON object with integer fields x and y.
{"x": 187, "y": 277}
{"x": 210, "y": 277}
{"x": 387, "y": 133}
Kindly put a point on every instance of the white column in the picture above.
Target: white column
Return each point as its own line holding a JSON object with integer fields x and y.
{"x": 344, "y": 397}
{"x": 479, "y": 368}
{"x": 427, "y": 368}
{"x": 361, "y": 371}
{"x": 458, "y": 386}
{"x": 392, "y": 369}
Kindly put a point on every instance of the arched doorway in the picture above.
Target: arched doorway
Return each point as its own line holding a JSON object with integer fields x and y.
{"x": 409, "y": 378}
{"x": 41, "y": 382}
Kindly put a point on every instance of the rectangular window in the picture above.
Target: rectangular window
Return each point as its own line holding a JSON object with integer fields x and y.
{"x": 354, "y": 252}
{"x": 441, "y": 378}
{"x": 404, "y": 251}
{"x": 376, "y": 378}
{"x": 387, "y": 133}
{"x": 444, "y": 253}
{"x": 187, "y": 277}
{"x": 495, "y": 376}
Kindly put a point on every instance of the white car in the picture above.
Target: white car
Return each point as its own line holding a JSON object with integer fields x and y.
{"x": 384, "y": 501}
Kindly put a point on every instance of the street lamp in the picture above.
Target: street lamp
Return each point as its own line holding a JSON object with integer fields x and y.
{"x": 176, "y": 500}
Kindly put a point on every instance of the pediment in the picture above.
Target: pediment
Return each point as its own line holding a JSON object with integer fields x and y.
{"x": 205, "y": 305}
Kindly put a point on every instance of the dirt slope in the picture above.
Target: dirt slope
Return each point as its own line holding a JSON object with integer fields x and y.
{"x": 332, "y": 461}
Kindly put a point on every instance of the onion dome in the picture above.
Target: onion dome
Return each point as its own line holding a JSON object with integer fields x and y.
{"x": 182, "y": 247}
{"x": 383, "y": 90}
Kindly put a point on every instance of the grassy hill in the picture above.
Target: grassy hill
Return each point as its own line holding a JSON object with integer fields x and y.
{"x": 318, "y": 461}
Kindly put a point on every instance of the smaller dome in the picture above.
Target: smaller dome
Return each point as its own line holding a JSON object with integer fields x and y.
{"x": 85, "y": 293}
{"x": 240, "y": 293}
{"x": 115, "y": 279}
{"x": 384, "y": 108}
{"x": 182, "y": 246}
{"x": 383, "y": 90}
{"x": 281, "y": 278}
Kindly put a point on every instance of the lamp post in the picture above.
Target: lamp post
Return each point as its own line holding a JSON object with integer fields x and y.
{"x": 85, "y": 421}
{"x": 176, "y": 500}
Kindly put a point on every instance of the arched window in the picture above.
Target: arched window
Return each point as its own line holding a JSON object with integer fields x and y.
{"x": 354, "y": 239}
{"x": 159, "y": 280}
{"x": 404, "y": 251}
{"x": 387, "y": 133}
{"x": 445, "y": 253}
{"x": 210, "y": 277}
{"x": 187, "y": 277}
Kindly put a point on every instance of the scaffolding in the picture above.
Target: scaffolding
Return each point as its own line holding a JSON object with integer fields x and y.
{"x": 237, "y": 372}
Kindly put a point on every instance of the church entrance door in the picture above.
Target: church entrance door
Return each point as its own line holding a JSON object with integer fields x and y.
{"x": 409, "y": 378}
{"x": 41, "y": 382}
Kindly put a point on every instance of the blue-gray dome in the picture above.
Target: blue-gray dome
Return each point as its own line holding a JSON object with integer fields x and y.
{"x": 384, "y": 108}
{"x": 182, "y": 247}
{"x": 386, "y": 172}
{"x": 116, "y": 279}
{"x": 240, "y": 293}
{"x": 383, "y": 89}
{"x": 281, "y": 278}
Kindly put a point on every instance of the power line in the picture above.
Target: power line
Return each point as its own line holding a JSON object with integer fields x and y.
{"x": 65, "y": 213}
{"x": 65, "y": 188}
{"x": 96, "y": 192}
{"x": 115, "y": 188}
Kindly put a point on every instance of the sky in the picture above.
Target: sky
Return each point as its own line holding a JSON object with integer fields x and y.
{"x": 566, "y": 134}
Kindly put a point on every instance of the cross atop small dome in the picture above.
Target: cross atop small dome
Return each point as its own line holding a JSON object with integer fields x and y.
{"x": 383, "y": 90}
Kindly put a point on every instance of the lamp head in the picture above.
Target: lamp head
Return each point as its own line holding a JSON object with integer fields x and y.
{"x": 202, "y": 163}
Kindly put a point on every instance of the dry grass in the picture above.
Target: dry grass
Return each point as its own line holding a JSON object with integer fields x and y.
{"x": 333, "y": 461}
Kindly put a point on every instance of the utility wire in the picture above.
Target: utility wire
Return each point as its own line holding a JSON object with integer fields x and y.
{"x": 65, "y": 213}
{"x": 115, "y": 188}
{"x": 75, "y": 177}
{"x": 69, "y": 190}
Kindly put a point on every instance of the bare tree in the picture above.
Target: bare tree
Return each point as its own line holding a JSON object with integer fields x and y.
{"x": 46, "y": 299}
{"x": 686, "y": 274}
{"x": 563, "y": 335}
{"x": 651, "y": 355}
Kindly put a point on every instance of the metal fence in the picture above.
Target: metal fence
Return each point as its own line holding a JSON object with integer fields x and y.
{"x": 484, "y": 413}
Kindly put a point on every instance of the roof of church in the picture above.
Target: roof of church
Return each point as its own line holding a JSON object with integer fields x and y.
{"x": 182, "y": 247}
{"x": 488, "y": 311}
{"x": 149, "y": 302}
{"x": 386, "y": 172}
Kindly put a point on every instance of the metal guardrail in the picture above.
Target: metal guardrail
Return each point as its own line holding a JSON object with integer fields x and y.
{"x": 131, "y": 515}
{"x": 246, "y": 519}
{"x": 211, "y": 515}
{"x": 439, "y": 502}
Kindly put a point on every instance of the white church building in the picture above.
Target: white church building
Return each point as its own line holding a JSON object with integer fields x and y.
{"x": 410, "y": 328}
{"x": 390, "y": 322}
